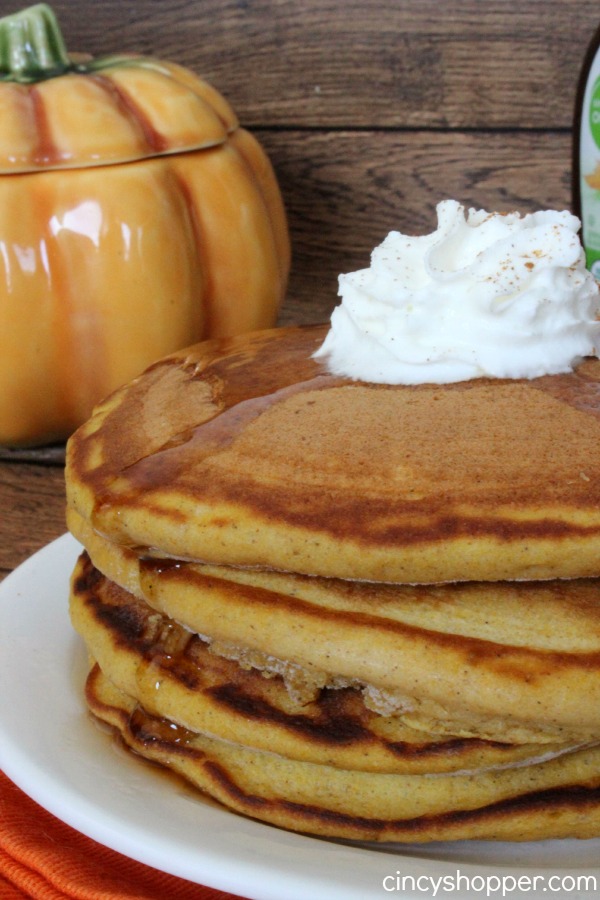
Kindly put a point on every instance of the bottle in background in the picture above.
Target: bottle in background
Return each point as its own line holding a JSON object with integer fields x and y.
{"x": 586, "y": 154}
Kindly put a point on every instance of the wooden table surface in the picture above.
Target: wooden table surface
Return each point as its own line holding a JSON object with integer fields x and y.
{"x": 371, "y": 112}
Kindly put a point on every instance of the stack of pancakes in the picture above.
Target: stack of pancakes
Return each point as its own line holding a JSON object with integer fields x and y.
{"x": 355, "y": 610}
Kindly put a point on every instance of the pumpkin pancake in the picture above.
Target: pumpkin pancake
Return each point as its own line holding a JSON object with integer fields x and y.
{"x": 175, "y": 674}
{"x": 554, "y": 799}
{"x": 246, "y": 452}
{"x": 357, "y": 610}
{"x": 509, "y": 662}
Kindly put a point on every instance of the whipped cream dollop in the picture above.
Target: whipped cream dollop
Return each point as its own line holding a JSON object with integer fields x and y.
{"x": 486, "y": 294}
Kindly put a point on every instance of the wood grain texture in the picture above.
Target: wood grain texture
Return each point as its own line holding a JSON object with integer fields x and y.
{"x": 374, "y": 63}
{"x": 32, "y": 510}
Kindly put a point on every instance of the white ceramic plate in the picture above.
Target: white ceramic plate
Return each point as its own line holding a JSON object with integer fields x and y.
{"x": 50, "y": 748}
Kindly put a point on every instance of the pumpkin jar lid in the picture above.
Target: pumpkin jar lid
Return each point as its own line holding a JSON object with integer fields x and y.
{"x": 64, "y": 111}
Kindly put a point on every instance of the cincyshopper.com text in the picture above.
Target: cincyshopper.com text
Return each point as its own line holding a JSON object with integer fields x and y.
{"x": 491, "y": 885}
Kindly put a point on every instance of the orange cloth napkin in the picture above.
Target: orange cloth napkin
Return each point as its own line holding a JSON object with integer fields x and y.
{"x": 41, "y": 857}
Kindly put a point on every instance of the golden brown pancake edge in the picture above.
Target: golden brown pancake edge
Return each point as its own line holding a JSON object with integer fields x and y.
{"x": 246, "y": 452}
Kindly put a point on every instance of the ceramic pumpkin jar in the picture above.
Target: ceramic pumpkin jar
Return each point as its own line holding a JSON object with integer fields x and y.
{"x": 136, "y": 217}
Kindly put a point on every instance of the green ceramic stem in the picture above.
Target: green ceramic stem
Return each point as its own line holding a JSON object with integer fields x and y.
{"x": 32, "y": 46}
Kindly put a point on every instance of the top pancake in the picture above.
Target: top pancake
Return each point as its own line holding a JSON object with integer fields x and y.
{"x": 247, "y": 452}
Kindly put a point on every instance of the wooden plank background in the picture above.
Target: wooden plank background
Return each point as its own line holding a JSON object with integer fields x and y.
{"x": 374, "y": 111}
{"x": 371, "y": 112}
